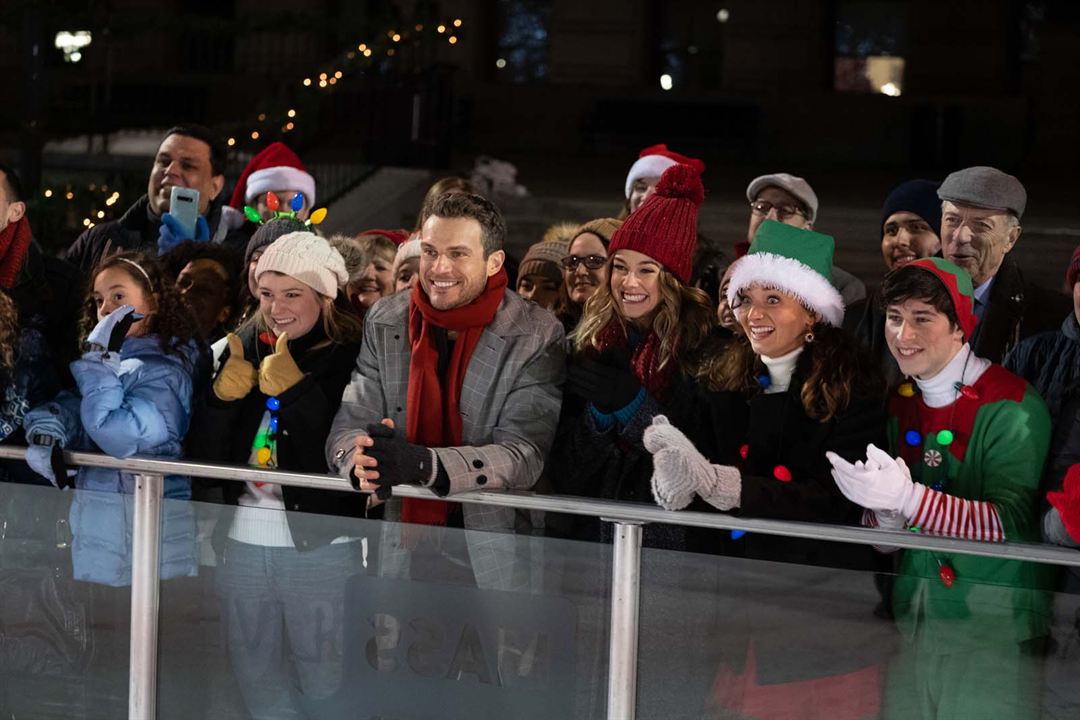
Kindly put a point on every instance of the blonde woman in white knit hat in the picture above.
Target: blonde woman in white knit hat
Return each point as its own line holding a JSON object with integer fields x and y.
{"x": 283, "y": 574}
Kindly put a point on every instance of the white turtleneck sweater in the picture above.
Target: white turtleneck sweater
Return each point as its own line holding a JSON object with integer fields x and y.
{"x": 780, "y": 370}
{"x": 965, "y": 368}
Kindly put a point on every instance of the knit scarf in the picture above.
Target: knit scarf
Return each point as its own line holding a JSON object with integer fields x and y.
{"x": 14, "y": 244}
{"x": 644, "y": 358}
{"x": 433, "y": 417}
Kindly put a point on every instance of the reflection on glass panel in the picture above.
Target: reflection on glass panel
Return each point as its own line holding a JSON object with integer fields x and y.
{"x": 63, "y": 641}
{"x": 390, "y": 621}
{"x": 761, "y": 639}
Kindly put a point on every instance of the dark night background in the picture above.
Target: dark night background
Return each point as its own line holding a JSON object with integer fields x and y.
{"x": 567, "y": 91}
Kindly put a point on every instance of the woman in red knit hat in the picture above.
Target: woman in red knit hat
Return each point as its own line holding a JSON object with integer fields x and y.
{"x": 638, "y": 346}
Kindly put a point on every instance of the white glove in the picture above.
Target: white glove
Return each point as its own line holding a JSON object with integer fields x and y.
{"x": 889, "y": 520}
{"x": 883, "y": 484}
{"x": 679, "y": 471}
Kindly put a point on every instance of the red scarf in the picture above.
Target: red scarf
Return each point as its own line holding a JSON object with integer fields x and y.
{"x": 433, "y": 418}
{"x": 645, "y": 359}
{"x": 14, "y": 244}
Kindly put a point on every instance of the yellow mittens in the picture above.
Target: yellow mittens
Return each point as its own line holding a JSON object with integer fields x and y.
{"x": 237, "y": 376}
{"x": 278, "y": 372}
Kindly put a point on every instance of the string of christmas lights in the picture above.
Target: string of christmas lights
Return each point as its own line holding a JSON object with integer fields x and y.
{"x": 352, "y": 62}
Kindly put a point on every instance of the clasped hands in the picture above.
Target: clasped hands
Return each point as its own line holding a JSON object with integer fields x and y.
{"x": 680, "y": 471}
{"x": 882, "y": 483}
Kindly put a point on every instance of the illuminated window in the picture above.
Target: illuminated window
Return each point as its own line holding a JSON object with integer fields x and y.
{"x": 71, "y": 43}
{"x": 870, "y": 42}
{"x": 523, "y": 40}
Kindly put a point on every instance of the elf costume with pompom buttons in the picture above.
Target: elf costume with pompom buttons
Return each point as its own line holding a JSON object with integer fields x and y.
{"x": 975, "y": 438}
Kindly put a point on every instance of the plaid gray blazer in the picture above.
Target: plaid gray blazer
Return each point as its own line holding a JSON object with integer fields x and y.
{"x": 509, "y": 408}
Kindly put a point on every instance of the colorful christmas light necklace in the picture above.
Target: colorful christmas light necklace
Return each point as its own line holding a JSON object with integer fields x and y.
{"x": 933, "y": 458}
{"x": 264, "y": 446}
{"x": 273, "y": 203}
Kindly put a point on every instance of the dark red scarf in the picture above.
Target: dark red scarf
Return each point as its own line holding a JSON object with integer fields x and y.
{"x": 645, "y": 359}
{"x": 433, "y": 417}
{"x": 14, "y": 244}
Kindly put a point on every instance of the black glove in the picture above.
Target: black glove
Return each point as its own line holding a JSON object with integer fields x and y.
{"x": 400, "y": 462}
{"x": 607, "y": 387}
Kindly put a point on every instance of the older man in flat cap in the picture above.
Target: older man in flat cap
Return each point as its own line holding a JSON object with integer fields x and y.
{"x": 980, "y": 223}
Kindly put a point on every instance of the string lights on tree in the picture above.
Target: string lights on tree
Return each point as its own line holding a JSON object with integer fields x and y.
{"x": 352, "y": 62}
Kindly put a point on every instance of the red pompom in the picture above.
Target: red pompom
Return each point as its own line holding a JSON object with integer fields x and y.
{"x": 681, "y": 181}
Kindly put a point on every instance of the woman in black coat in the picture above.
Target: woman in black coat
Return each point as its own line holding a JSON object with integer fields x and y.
{"x": 810, "y": 388}
{"x": 284, "y": 563}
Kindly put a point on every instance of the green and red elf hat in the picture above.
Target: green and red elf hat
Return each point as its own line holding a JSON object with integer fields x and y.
{"x": 958, "y": 283}
{"x": 665, "y": 226}
{"x": 795, "y": 261}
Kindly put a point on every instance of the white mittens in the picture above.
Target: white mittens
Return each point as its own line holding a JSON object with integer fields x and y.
{"x": 882, "y": 484}
{"x": 680, "y": 471}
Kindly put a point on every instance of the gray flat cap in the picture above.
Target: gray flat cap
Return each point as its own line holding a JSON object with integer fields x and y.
{"x": 985, "y": 187}
{"x": 794, "y": 185}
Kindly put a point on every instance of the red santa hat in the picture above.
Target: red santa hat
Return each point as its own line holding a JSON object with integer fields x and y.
{"x": 276, "y": 167}
{"x": 398, "y": 237}
{"x": 654, "y": 160}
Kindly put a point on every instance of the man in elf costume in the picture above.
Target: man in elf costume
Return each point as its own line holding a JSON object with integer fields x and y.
{"x": 968, "y": 440}
{"x": 456, "y": 388}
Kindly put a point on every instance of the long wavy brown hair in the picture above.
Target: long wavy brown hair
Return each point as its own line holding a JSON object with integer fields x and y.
{"x": 683, "y": 321}
{"x": 171, "y": 320}
{"x": 9, "y": 334}
{"x": 834, "y": 369}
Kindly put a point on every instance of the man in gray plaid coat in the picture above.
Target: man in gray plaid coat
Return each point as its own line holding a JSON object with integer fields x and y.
{"x": 457, "y": 387}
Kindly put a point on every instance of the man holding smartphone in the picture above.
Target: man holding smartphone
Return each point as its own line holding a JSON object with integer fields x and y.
{"x": 190, "y": 156}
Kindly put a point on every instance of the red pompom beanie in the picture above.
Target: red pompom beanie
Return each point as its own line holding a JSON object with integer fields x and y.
{"x": 654, "y": 160}
{"x": 665, "y": 226}
{"x": 1073, "y": 271}
{"x": 276, "y": 167}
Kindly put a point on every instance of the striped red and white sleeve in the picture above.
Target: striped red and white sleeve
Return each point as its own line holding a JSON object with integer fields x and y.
{"x": 950, "y": 516}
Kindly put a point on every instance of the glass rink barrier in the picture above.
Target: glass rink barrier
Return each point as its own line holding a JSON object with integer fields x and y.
{"x": 136, "y": 604}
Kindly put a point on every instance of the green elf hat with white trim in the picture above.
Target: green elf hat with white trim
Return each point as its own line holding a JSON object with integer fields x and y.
{"x": 795, "y": 261}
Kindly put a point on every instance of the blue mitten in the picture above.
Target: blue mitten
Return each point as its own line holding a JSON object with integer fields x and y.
{"x": 45, "y": 420}
{"x": 44, "y": 455}
{"x": 171, "y": 233}
{"x": 111, "y": 330}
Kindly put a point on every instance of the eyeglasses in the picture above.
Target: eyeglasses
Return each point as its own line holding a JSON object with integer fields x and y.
{"x": 592, "y": 262}
{"x": 783, "y": 212}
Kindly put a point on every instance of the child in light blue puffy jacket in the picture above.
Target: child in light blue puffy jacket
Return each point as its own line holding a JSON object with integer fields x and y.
{"x": 135, "y": 384}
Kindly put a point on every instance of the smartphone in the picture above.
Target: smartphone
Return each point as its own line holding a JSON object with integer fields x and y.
{"x": 184, "y": 206}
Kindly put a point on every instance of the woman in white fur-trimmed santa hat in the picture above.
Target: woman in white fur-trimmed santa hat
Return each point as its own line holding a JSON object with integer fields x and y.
{"x": 646, "y": 171}
{"x": 277, "y": 169}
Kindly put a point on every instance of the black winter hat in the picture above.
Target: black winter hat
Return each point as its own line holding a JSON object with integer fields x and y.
{"x": 915, "y": 196}
{"x": 268, "y": 233}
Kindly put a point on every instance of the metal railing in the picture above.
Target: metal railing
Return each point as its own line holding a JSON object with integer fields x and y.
{"x": 626, "y": 567}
